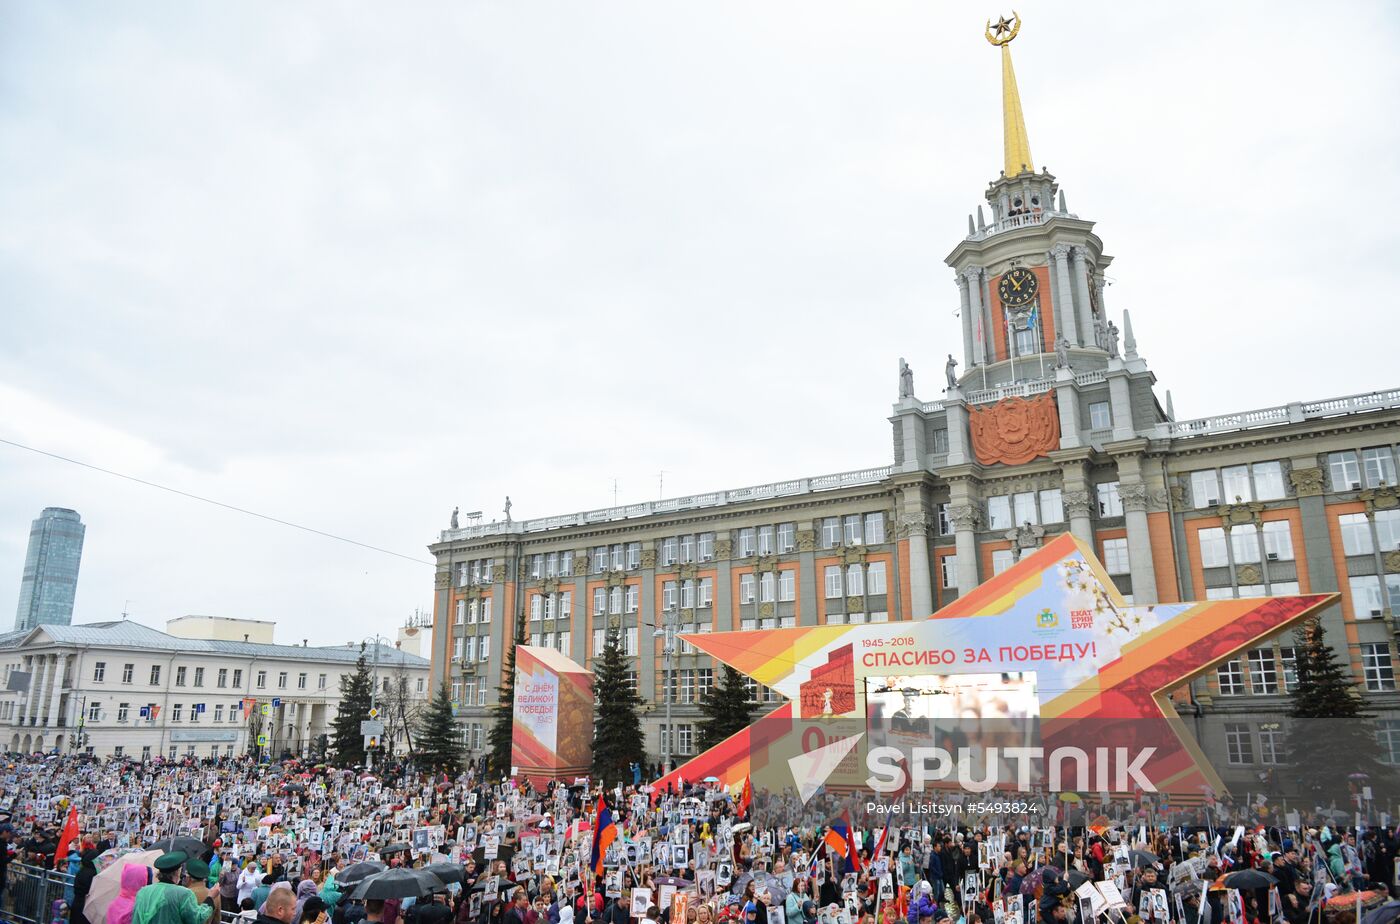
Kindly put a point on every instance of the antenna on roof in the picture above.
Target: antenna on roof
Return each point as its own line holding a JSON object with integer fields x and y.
{"x": 125, "y": 607}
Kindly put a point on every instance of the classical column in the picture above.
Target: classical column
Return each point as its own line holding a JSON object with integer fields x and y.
{"x": 809, "y": 582}
{"x": 972, "y": 279}
{"x": 1134, "y": 497}
{"x": 965, "y": 313}
{"x": 915, "y": 520}
{"x": 1081, "y": 290}
{"x": 724, "y": 596}
{"x": 965, "y": 518}
{"x": 959, "y": 439}
{"x": 1064, "y": 299}
{"x": 1067, "y": 401}
{"x": 1078, "y": 500}
{"x": 61, "y": 669}
{"x": 579, "y": 605}
{"x": 37, "y": 689}
{"x": 1120, "y": 405}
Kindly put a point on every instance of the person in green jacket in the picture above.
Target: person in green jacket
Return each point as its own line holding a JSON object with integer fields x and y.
{"x": 166, "y": 901}
{"x": 330, "y": 894}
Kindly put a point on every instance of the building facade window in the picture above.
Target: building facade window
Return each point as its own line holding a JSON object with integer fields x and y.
{"x": 999, "y": 513}
{"x": 1377, "y": 666}
{"x": 127, "y": 671}
{"x": 1344, "y": 471}
{"x": 1239, "y": 745}
{"x": 1263, "y": 672}
{"x": 1270, "y": 744}
{"x": 875, "y": 578}
{"x": 1378, "y": 466}
{"x": 1110, "y": 503}
{"x": 1231, "y": 679}
{"x": 1288, "y": 663}
{"x": 834, "y": 584}
{"x": 1388, "y": 737}
{"x": 1115, "y": 556}
{"x": 787, "y": 586}
{"x": 1099, "y": 416}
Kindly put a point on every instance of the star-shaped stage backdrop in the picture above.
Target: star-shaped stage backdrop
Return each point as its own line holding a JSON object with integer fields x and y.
{"x": 1048, "y": 648}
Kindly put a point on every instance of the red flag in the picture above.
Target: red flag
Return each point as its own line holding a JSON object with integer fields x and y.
{"x": 745, "y": 797}
{"x": 69, "y": 835}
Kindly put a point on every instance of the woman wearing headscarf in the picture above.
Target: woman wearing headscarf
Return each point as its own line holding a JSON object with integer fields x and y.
{"x": 305, "y": 889}
{"x": 248, "y": 880}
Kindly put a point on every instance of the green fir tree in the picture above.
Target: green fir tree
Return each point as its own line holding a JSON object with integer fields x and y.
{"x": 727, "y": 708}
{"x": 617, "y": 729}
{"x": 503, "y": 725}
{"x": 1331, "y": 742}
{"x": 439, "y": 739}
{"x": 356, "y": 696}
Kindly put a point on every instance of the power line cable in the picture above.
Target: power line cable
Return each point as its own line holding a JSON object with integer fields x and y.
{"x": 207, "y": 500}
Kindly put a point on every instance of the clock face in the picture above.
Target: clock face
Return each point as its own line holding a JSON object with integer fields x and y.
{"x": 1017, "y": 287}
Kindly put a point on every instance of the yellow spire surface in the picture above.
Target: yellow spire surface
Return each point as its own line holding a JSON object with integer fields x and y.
{"x": 1017, "y": 144}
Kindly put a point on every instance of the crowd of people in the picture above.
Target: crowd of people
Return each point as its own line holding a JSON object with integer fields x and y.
{"x": 214, "y": 843}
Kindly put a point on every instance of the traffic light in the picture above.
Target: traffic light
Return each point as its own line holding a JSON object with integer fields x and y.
{"x": 373, "y": 742}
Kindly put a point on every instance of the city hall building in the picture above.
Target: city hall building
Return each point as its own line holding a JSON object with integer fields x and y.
{"x": 1054, "y": 424}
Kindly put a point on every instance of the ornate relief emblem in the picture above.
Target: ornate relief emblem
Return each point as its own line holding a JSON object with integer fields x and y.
{"x": 1015, "y": 430}
{"x": 1307, "y": 482}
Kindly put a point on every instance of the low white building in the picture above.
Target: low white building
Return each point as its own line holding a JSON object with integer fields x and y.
{"x": 123, "y": 689}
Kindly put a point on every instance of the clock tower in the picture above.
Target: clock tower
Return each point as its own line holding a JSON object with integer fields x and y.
{"x": 1050, "y": 394}
{"x": 1031, "y": 278}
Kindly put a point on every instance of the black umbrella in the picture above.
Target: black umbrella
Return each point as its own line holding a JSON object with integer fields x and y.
{"x": 356, "y": 872}
{"x": 192, "y": 846}
{"x": 1247, "y": 879}
{"x": 447, "y": 872}
{"x": 1076, "y": 879}
{"x": 1142, "y": 858}
{"x": 397, "y": 883}
{"x": 395, "y": 848}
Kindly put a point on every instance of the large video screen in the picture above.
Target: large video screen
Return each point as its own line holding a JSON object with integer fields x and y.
{"x": 974, "y": 718}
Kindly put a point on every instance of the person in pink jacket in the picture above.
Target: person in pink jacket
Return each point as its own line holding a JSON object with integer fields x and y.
{"x": 134, "y": 878}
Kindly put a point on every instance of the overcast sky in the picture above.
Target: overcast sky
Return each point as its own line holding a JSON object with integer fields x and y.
{"x": 351, "y": 265}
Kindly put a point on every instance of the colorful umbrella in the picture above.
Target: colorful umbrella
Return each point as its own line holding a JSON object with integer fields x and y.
{"x": 107, "y": 884}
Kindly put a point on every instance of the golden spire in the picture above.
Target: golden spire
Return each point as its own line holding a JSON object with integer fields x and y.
{"x": 1017, "y": 144}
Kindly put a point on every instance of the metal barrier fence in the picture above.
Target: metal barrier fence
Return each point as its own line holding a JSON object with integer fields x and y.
{"x": 30, "y": 892}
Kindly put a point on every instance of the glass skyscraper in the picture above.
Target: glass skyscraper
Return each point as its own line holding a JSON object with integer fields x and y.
{"x": 51, "y": 569}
